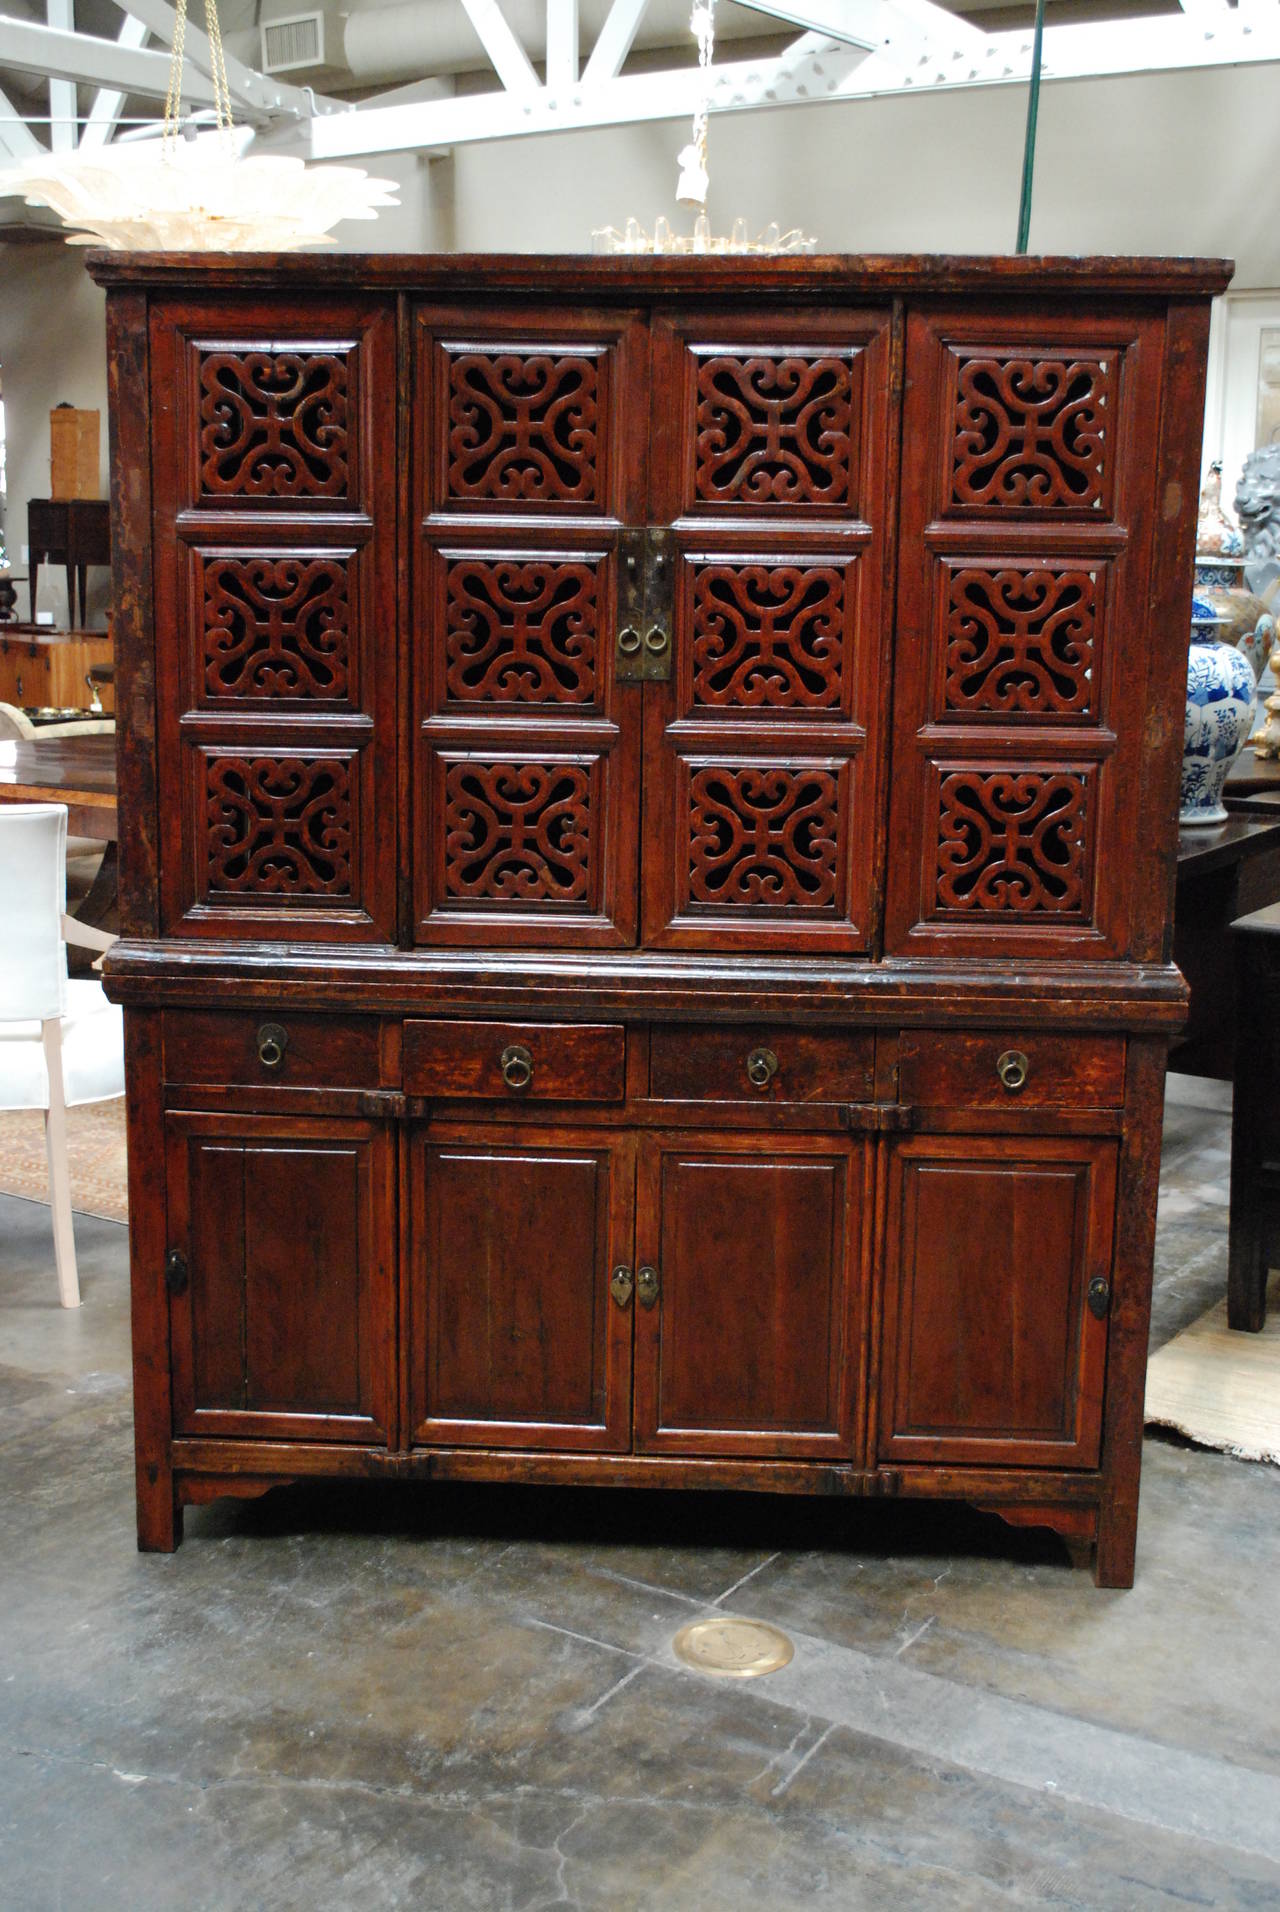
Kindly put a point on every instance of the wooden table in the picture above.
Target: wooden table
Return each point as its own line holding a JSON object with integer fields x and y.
{"x": 80, "y": 772}
{"x": 1255, "y": 1120}
{"x": 1224, "y": 870}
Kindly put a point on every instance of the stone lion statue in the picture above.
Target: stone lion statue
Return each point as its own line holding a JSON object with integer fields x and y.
{"x": 1258, "y": 502}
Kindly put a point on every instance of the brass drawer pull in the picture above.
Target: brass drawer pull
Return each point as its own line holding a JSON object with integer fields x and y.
{"x": 1013, "y": 1069}
{"x": 516, "y": 1064}
{"x": 762, "y": 1067}
{"x": 647, "y": 1286}
{"x": 272, "y": 1043}
{"x": 621, "y": 1285}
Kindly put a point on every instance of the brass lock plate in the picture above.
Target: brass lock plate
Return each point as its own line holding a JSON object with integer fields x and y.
{"x": 646, "y": 596}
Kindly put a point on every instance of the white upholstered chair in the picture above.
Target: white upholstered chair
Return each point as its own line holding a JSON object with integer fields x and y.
{"x": 61, "y": 1042}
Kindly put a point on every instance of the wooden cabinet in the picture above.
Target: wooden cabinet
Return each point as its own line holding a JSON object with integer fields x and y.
{"x": 648, "y": 790}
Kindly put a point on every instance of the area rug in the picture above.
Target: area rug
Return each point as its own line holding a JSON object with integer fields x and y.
{"x": 1221, "y": 1387}
{"x": 95, "y": 1148}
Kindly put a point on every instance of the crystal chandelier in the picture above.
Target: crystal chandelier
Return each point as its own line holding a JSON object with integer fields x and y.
{"x": 197, "y": 193}
{"x": 693, "y": 181}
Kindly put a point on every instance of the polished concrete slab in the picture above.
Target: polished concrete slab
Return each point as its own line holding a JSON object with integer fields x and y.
{"x": 457, "y": 1698}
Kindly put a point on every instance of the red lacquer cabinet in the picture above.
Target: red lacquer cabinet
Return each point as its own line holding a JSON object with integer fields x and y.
{"x": 648, "y": 800}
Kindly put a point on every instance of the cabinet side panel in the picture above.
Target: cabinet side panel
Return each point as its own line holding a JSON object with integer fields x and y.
{"x": 132, "y": 619}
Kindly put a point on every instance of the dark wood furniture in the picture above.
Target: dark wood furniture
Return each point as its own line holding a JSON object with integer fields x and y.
{"x": 75, "y": 532}
{"x": 1224, "y": 870}
{"x": 650, "y": 795}
{"x": 1255, "y": 1120}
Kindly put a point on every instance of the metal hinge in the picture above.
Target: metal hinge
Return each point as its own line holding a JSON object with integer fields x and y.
{"x": 879, "y": 1118}
{"x": 646, "y": 599}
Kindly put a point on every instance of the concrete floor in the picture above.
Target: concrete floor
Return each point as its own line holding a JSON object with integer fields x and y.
{"x": 465, "y": 1698}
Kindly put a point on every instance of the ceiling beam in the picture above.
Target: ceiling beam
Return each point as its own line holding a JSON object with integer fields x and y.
{"x": 255, "y": 95}
{"x": 809, "y": 72}
{"x": 17, "y": 141}
{"x": 506, "y": 55}
{"x": 64, "y": 127}
{"x": 562, "y": 43}
{"x": 26, "y": 47}
{"x": 614, "y": 40}
{"x": 108, "y": 102}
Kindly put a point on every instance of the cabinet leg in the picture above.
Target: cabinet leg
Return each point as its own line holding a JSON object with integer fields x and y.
{"x": 159, "y": 1514}
{"x": 1117, "y": 1546}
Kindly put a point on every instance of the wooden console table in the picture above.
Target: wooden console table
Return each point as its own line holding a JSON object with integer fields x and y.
{"x": 1224, "y": 870}
{"x": 75, "y": 532}
{"x": 1255, "y": 1119}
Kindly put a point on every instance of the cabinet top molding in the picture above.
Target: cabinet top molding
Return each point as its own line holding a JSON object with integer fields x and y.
{"x": 618, "y": 276}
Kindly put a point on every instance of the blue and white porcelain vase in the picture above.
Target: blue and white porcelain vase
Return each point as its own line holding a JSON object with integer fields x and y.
{"x": 1221, "y": 688}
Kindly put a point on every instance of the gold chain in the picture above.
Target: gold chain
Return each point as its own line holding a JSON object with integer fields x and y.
{"x": 218, "y": 63}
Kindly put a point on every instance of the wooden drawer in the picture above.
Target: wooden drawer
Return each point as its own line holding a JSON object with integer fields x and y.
{"x": 231, "y": 1050}
{"x": 1010, "y": 1069}
{"x": 748, "y": 1063}
{"x": 521, "y": 1061}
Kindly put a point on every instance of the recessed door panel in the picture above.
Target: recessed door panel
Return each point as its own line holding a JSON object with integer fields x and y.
{"x": 281, "y": 1309}
{"x": 992, "y": 1352}
{"x": 747, "y": 1298}
{"x": 515, "y": 1337}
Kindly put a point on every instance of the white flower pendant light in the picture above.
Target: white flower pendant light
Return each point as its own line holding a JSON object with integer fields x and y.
{"x": 197, "y": 194}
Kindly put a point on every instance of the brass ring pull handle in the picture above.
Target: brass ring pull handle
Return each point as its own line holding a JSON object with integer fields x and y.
{"x": 629, "y": 640}
{"x": 647, "y": 1285}
{"x": 517, "y": 1066}
{"x": 762, "y": 1067}
{"x": 656, "y": 640}
{"x": 621, "y": 1285}
{"x": 272, "y": 1043}
{"x": 1013, "y": 1069}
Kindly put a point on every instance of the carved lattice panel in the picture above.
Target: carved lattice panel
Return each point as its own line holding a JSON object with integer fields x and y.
{"x": 279, "y": 826}
{"x": 1022, "y": 641}
{"x": 520, "y": 833}
{"x": 524, "y": 426}
{"x": 275, "y": 423}
{"x": 768, "y": 636}
{"x": 1014, "y": 842}
{"x": 522, "y": 629}
{"x": 774, "y": 430}
{"x": 275, "y": 627}
{"x": 763, "y": 838}
{"x": 1032, "y": 433}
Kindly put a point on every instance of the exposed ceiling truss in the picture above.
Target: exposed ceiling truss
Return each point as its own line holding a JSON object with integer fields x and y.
{"x": 844, "y": 50}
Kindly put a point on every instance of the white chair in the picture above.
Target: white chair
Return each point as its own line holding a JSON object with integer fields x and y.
{"x": 61, "y": 1042}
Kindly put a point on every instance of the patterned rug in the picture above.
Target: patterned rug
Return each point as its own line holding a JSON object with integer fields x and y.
{"x": 95, "y": 1145}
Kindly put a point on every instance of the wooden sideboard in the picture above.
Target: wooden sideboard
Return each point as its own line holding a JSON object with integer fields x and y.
{"x": 649, "y": 797}
{"x": 41, "y": 667}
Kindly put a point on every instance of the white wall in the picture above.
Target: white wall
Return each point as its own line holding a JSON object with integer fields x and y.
{"x": 52, "y": 347}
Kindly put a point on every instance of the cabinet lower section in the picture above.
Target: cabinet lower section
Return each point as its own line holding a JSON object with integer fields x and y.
{"x": 626, "y": 1257}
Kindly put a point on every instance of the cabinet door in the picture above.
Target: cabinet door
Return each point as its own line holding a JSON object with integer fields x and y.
{"x": 285, "y": 1325}
{"x": 529, "y": 461}
{"x": 774, "y": 462}
{"x": 991, "y": 1352}
{"x": 514, "y": 1337}
{"x": 753, "y": 1344}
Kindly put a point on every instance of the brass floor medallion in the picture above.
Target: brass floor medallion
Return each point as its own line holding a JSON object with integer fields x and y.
{"x": 735, "y": 1649}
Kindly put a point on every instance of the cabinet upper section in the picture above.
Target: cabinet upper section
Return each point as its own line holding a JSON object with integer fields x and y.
{"x": 824, "y": 607}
